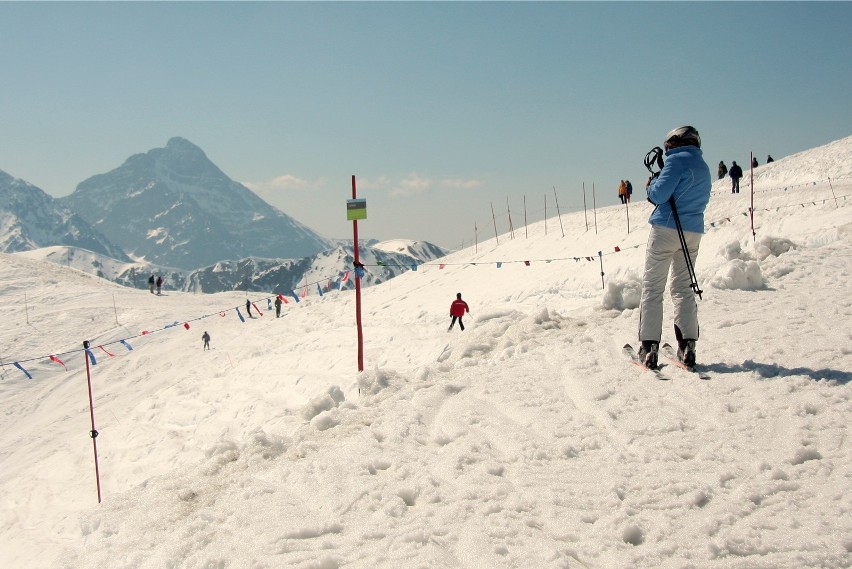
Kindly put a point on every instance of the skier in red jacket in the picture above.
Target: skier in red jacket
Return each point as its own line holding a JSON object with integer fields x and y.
{"x": 457, "y": 310}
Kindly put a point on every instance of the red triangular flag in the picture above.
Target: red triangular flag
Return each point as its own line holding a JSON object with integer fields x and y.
{"x": 60, "y": 362}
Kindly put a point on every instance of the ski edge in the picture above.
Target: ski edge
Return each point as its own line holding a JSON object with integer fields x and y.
{"x": 669, "y": 351}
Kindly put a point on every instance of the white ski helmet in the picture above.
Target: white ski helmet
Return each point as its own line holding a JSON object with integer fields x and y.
{"x": 682, "y": 136}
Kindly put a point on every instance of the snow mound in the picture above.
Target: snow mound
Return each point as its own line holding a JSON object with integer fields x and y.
{"x": 739, "y": 275}
{"x": 622, "y": 294}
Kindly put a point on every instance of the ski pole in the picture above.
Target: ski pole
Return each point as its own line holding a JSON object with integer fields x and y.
{"x": 693, "y": 280}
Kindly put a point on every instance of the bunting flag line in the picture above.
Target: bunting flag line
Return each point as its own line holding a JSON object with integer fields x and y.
{"x": 60, "y": 362}
{"x": 91, "y": 356}
{"x": 127, "y": 345}
{"x": 20, "y": 367}
{"x": 240, "y": 314}
{"x": 106, "y": 352}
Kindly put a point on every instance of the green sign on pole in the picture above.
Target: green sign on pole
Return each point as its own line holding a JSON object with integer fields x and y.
{"x": 356, "y": 209}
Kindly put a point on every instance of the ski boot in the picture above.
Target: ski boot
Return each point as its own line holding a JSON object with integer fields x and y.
{"x": 686, "y": 352}
{"x": 648, "y": 353}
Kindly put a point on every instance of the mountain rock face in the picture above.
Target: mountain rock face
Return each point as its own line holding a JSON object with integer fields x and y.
{"x": 173, "y": 207}
{"x": 31, "y": 219}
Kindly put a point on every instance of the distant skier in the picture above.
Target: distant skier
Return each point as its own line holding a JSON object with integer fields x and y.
{"x": 735, "y": 173}
{"x": 685, "y": 183}
{"x": 457, "y": 310}
{"x": 622, "y": 192}
{"x": 248, "y": 308}
{"x": 206, "y": 339}
{"x": 278, "y": 307}
{"x": 723, "y": 170}
{"x": 769, "y": 159}
{"x": 629, "y": 189}
{"x": 151, "y": 283}
{"x": 159, "y": 285}
{"x": 754, "y": 162}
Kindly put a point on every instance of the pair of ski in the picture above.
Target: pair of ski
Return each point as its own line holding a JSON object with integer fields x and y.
{"x": 669, "y": 353}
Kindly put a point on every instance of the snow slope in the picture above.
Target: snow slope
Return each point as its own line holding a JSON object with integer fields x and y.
{"x": 525, "y": 441}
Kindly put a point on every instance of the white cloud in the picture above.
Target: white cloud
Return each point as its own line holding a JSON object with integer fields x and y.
{"x": 284, "y": 183}
{"x": 412, "y": 185}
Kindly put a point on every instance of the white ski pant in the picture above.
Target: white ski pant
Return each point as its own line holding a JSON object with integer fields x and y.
{"x": 664, "y": 251}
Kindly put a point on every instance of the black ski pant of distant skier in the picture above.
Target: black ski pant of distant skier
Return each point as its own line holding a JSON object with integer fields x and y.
{"x": 453, "y": 322}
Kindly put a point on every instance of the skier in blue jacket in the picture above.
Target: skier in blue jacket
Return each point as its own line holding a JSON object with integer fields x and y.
{"x": 684, "y": 179}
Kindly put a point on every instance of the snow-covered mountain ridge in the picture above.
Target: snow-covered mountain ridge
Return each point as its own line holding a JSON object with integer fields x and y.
{"x": 173, "y": 207}
{"x": 30, "y": 219}
{"x": 181, "y": 218}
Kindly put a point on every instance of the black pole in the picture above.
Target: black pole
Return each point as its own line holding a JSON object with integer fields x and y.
{"x": 693, "y": 280}
{"x": 559, "y": 213}
{"x": 94, "y": 432}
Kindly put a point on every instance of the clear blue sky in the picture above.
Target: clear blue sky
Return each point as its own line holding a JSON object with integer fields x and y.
{"x": 439, "y": 109}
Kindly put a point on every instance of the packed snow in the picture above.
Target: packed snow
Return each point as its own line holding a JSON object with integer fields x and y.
{"x": 526, "y": 441}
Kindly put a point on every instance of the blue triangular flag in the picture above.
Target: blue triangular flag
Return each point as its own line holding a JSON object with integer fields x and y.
{"x": 91, "y": 357}
{"x": 319, "y": 289}
{"x": 294, "y": 295}
{"x": 20, "y": 367}
{"x": 126, "y": 345}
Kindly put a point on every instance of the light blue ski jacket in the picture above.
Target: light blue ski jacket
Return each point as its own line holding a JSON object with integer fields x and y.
{"x": 685, "y": 176}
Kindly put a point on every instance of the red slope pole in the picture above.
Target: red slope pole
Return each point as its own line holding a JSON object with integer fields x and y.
{"x": 93, "y": 432}
{"x": 357, "y": 289}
